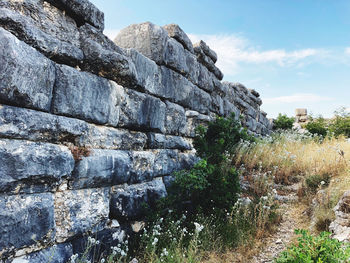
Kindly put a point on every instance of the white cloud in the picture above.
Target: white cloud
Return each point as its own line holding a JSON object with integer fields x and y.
{"x": 295, "y": 98}
{"x": 111, "y": 33}
{"x": 347, "y": 51}
{"x": 347, "y": 109}
{"x": 233, "y": 50}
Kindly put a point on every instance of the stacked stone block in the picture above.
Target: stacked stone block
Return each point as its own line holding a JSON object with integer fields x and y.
{"x": 90, "y": 129}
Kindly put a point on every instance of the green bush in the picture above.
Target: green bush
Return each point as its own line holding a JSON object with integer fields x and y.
{"x": 319, "y": 249}
{"x": 314, "y": 181}
{"x": 340, "y": 125}
{"x": 317, "y": 126}
{"x": 283, "y": 122}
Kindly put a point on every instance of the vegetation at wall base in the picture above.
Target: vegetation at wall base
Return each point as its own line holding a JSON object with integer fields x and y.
{"x": 283, "y": 122}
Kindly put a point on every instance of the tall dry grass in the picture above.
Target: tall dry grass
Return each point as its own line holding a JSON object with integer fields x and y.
{"x": 289, "y": 155}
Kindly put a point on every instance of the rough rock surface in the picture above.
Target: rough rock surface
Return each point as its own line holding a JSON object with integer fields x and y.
{"x": 340, "y": 227}
{"x": 177, "y": 33}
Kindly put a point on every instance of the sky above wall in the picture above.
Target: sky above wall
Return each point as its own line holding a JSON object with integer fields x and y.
{"x": 295, "y": 53}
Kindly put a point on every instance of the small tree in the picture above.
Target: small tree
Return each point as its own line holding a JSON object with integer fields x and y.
{"x": 283, "y": 122}
{"x": 317, "y": 126}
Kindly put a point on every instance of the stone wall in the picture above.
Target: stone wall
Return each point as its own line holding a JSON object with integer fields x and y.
{"x": 90, "y": 129}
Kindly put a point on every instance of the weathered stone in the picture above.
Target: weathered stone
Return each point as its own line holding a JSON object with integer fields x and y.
{"x": 161, "y": 141}
{"x": 114, "y": 139}
{"x": 208, "y": 62}
{"x": 19, "y": 123}
{"x": 79, "y": 211}
{"x": 250, "y": 123}
{"x": 204, "y": 80}
{"x": 177, "y": 33}
{"x": 86, "y": 96}
{"x": 254, "y": 92}
{"x": 32, "y": 167}
{"x": 230, "y": 108}
{"x": 175, "y": 119}
{"x": 340, "y": 227}
{"x": 147, "y": 38}
{"x": 127, "y": 202}
{"x": 26, "y": 220}
{"x": 102, "y": 168}
{"x": 201, "y": 101}
{"x": 142, "y": 112}
{"x": 188, "y": 160}
{"x": 142, "y": 166}
{"x": 166, "y": 162}
{"x": 300, "y": 112}
{"x": 193, "y": 69}
{"x": 175, "y": 56}
{"x": 194, "y": 119}
{"x": 104, "y": 58}
{"x": 82, "y": 11}
{"x": 60, "y": 253}
{"x": 26, "y": 76}
{"x": 149, "y": 75}
{"x": 207, "y": 51}
{"x": 25, "y": 29}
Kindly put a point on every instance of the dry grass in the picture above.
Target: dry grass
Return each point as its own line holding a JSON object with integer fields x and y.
{"x": 291, "y": 155}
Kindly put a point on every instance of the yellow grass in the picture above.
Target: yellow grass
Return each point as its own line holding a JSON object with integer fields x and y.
{"x": 289, "y": 156}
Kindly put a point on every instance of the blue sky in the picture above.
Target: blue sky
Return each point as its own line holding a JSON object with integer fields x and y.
{"x": 296, "y": 53}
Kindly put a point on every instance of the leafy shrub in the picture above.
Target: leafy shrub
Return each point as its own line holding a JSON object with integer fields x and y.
{"x": 319, "y": 249}
{"x": 340, "y": 125}
{"x": 283, "y": 122}
{"x": 314, "y": 181}
{"x": 317, "y": 126}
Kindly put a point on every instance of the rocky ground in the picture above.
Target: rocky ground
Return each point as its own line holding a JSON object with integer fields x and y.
{"x": 292, "y": 218}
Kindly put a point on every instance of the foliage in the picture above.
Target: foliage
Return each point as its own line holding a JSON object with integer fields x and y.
{"x": 317, "y": 126}
{"x": 340, "y": 125}
{"x": 319, "y": 249}
{"x": 316, "y": 180}
{"x": 283, "y": 122}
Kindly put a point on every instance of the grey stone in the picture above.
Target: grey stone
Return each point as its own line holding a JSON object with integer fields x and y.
{"x": 193, "y": 68}
{"x": 86, "y": 96}
{"x": 26, "y": 220}
{"x": 201, "y": 101}
{"x": 250, "y": 123}
{"x": 208, "y": 62}
{"x": 102, "y": 168}
{"x": 104, "y": 58}
{"x": 230, "y": 108}
{"x": 254, "y": 92}
{"x": 175, "y": 56}
{"x": 194, "y": 119}
{"x": 60, "y": 253}
{"x": 177, "y": 33}
{"x": 149, "y": 75}
{"x": 127, "y": 202}
{"x": 26, "y": 76}
{"x": 82, "y": 11}
{"x": 168, "y": 180}
{"x": 32, "y": 166}
{"x": 142, "y": 166}
{"x": 204, "y": 78}
{"x": 114, "y": 139}
{"x": 147, "y": 38}
{"x": 140, "y": 111}
{"x": 25, "y": 29}
{"x": 161, "y": 141}
{"x": 175, "y": 119}
{"x": 80, "y": 211}
{"x": 19, "y": 123}
{"x": 188, "y": 160}
{"x": 205, "y": 48}
{"x": 166, "y": 162}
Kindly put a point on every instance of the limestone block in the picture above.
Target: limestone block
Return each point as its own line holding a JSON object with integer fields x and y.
{"x": 31, "y": 166}
{"x": 161, "y": 141}
{"x": 149, "y": 75}
{"x": 79, "y": 211}
{"x": 250, "y": 123}
{"x": 127, "y": 201}
{"x": 193, "y": 69}
{"x": 166, "y": 162}
{"x": 104, "y": 58}
{"x": 340, "y": 227}
{"x": 194, "y": 119}
{"x": 142, "y": 168}
{"x": 208, "y": 62}
{"x": 204, "y": 79}
{"x": 201, "y": 101}
{"x": 19, "y": 123}
{"x": 102, "y": 168}
{"x": 147, "y": 38}
{"x": 177, "y": 33}
{"x": 230, "y": 108}
{"x": 26, "y": 76}
{"x": 300, "y": 112}
{"x": 28, "y": 31}
{"x": 254, "y": 92}
{"x": 188, "y": 160}
{"x": 209, "y": 52}
{"x": 26, "y": 220}
{"x": 218, "y": 104}
{"x": 175, "y": 119}
{"x": 175, "y": 57}
{"x": 85, "y": 96}
{"x": 82, "y": 11}
{"x": 142, "y": 111}
{"x": 60, "y": 253}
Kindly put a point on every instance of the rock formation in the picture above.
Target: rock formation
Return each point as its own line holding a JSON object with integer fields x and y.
{"x": 91, "y": 129}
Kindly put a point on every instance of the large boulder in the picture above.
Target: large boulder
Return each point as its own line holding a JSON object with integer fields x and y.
{"x": 26, "y": 76}
{"x": 177, "y": 33}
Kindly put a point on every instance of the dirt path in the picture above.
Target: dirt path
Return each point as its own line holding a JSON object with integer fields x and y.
{"x": 292, "y": 218}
